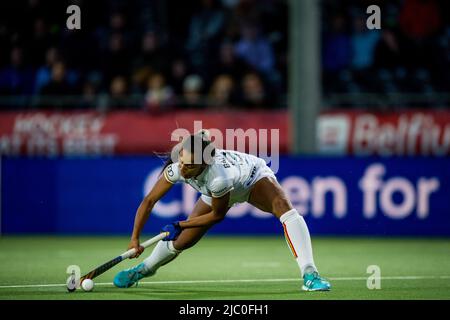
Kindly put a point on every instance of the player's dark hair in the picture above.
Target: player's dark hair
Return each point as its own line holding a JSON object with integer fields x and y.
{"x": 190, "y": 144}
{"x": 197, "y": 144}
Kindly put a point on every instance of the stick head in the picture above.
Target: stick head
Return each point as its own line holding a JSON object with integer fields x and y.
{"x": 71, "y": 282}
{"x": 71, "y": 285}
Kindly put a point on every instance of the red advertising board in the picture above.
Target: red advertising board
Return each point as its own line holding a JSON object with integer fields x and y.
{"x": 122, "y": 132}
{"x": 135, "y": 132}
{"x": 407, "y": 133}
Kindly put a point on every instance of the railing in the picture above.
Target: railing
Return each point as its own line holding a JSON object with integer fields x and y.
{"x": 389, "y": 101}
{"x": 104, "y": 102}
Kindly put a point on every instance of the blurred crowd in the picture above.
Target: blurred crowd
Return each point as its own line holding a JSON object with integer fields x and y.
{"x": 165, "y": 54}
{"x": 155, "y": 55}
{"x": 411, "y": 52}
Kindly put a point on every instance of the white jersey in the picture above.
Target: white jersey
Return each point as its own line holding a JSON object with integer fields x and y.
{"x": 231, "y": 171}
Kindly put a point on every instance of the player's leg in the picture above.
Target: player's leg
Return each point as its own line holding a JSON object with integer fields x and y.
{"x": 164, "y": 251}
{"x": 268, "y": 196}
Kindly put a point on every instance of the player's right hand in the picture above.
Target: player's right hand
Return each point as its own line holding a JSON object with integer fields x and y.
{"x": 134, "y": 244}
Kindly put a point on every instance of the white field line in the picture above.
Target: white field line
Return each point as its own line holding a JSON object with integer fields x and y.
{"x": 232, "y": 281}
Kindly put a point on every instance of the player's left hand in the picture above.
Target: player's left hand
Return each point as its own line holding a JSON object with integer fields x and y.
{"x": 174, "y": 230}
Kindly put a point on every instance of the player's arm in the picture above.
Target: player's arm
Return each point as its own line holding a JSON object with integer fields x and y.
{"x": 220, "y": 192}
{"x": 143, "y": 212}
{"x": 219, "y": 208}
{"x": 164, "y": 183}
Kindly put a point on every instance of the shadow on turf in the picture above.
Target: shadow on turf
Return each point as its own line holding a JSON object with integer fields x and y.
{"x": 143, "y": 292}
{"x": 201, "y": 293}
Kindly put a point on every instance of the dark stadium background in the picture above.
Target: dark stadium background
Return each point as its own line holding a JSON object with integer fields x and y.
{"x": 362, "y": 117}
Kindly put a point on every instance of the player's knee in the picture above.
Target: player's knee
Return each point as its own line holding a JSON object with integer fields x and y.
{"x": 183, "y": 245}
{"x": 280, "y": 205}
{"x": 178, "y": 245}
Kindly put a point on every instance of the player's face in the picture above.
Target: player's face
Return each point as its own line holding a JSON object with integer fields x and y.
{"x": 188, "y": 168}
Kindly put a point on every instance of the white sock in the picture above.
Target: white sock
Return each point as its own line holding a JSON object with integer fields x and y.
{"x": 163, "y": 253}
{"x": 298, "y": 239}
